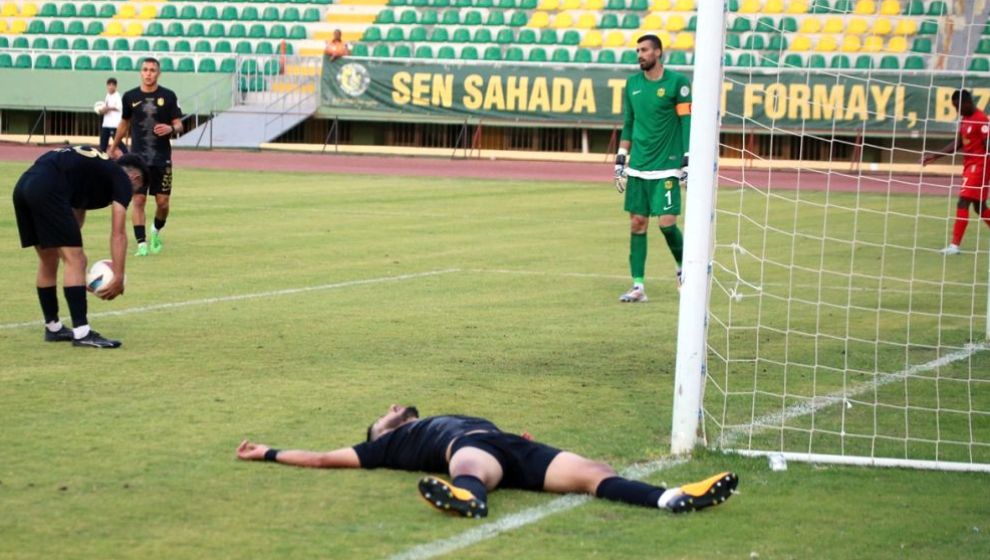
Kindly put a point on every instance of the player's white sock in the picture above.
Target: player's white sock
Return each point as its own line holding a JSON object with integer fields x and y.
{"x": 154, "y": 230}
{"x": 54, "y": 326}
{"x": 668, "y": 495}
{"x": 637, "y": 286}
{"x": 80, "y": 332}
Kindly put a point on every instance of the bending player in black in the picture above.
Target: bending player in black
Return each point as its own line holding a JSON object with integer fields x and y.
{"x": 151, "y": 114}
{"x": 50, "y": 201}
{"x": 479, "y": 457}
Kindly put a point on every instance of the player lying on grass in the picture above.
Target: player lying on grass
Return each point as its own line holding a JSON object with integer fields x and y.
{"x": 479, "y": 457}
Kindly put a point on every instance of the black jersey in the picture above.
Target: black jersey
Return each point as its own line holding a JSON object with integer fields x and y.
{"x": 420, "y": 445}
{"x": 145, "y": 110}
{"x": 91, "y": 179}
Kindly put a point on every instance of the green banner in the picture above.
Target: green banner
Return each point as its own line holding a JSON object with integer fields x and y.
{"x": 879, "y": 102}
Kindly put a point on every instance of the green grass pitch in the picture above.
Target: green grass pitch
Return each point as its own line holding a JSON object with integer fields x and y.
{"x": 493, "y": 298}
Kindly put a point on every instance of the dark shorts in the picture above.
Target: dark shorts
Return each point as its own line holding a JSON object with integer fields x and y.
{"x": 44, "y": 212}
{"x": 159, "y": 180}
{"x": 524, "y": 463}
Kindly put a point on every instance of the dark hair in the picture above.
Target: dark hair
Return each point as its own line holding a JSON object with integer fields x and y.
{"x": 137, "y": 162}
{"x": 962, "y": 95}
{"x": 112, "y": 81}
{"x": 653, "y": 39}
{"x": 152, "y": 60}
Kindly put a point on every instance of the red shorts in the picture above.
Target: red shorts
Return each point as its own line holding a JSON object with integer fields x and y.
{"x": 975, "y": 179}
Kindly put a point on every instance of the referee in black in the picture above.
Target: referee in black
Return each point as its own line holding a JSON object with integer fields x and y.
{"x": 480, "y": 457}
{"x": 151, "y": 114}
{"x": 50, "y": 201}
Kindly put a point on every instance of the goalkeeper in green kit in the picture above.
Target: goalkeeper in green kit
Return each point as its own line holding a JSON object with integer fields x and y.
{"x": 651, "y": 164}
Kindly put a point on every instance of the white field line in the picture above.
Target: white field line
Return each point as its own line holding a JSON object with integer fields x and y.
{"x": 241, "y": 297}
{"x": 534, "y": 514}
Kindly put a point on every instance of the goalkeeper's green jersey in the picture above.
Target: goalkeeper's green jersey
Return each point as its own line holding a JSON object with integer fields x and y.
{"x": 658, "y": 123}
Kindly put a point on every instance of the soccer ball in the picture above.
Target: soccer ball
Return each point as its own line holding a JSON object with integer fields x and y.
{"x": 98, "y": 106}
{"x": 99, "y": 275}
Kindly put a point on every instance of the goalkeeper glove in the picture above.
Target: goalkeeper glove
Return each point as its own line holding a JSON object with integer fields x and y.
{"x": 684, "y": 171}
{"x": 620, "y": 171}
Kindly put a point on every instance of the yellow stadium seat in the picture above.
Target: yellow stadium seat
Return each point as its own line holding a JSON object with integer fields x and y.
{"x": 851, "y": 43}
{"x": 873, "y": 44}
{"x": 148, "y": 12}
{"x": 615, "y": 39}
{"x": 834, "y": 25}
{"x": 683, "y": 42}
{"x": 29, "y": 9}
{"x": 539, "y": 20}
{"x": 749, "y": 6}
{"x": 570, "y": 4}
{"x": 652, "y": 22}
{"x": 882, "y": 26}
{"x": 586, "y": 21}
{"x": 801, "y": 43}
{"x": 906, "y": 26}
{"x": 3, "y": 26}
{"x": 676, "y": 23}
{"x": 134, "y": 29}
{"x": 684, "y": 6}
{"x": 563, "y": 20}
{"x": 798, "y": 7}
{"x": 594, "y": 5}
{"x": 114, "y": 28}
{"x": 890, "y": 7}
{"x": 865, "y": 7}
{"x": 662, "y": 6}
{"x": 826, "y": 44}
{"x": 18, "y": 26}
{"x": 548, "y": 5}
{"x": 127, "y": 11}
{"x": 592, "y": 39}
{"x": 811, "y": 25}
{"x": 856, "y": 26}
{"x": 773, "y": 7}
{"x": 897, "y": 45}
{"x": 9, "y": 9}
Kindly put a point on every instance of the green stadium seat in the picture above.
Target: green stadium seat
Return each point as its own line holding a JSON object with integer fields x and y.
{"x": 983, "y": 47}
{"x": 311, "y": 15}
{"x": 506, "y": 36}
{"x": 108, "y": 10}
{"x": 777, "y": 43}
{"x": 216, "y": 31}
{"x": 677, "y": 58}
{"x": 195, "y": 29}
{"x": 986, "y": 28}
{"x": 518, "y": 19}
{"x": 979, "y": 64}
{"x": 249, "y": 66}
{"x": 493, "y": 53}
{"x": 140, "y": 45}
{"x": 36, "y": 27}
{"x": 639, "y": 5}
{"x": 21, "y": 43}
{"x": 937, "y": 8}
{"x": 202, "y": 46}
{"x": 243, "y": 47}
{"x": 207, "y": 65}
{"x": 80, "y": 44}
{"x": 181, "y": 46}
{"x": 914, "y": 63}
{"x": 548, "y": 37}
{"x": 571, "y": 38}
{"x": 39, "y": 44}
{"x": 537, "y": 54}
{"x": 124, "y": 64}
{"x": 360, "y": 49}
{"x": 608, "y": 21}
{"x": 270, "y": 14}
{"x": 56, "y": 27}
{"x": 514, "y": 54}
{"x": 526, "y": 36}
{"x": 103, "y": 63}
{"x": 189, "y": 12}
{"x": 94, "y": 28}
{"x": 461, "y": 35}
{"x": 83, "y": 62}
{"x": 630, "y": 21}
{"x": 732, "y": 41}
{"x": 472, "y": 18}
{"x": 439, "y": 35}
{"x": 913, "y": 8}
{"x": 420, "y": 3}
{"x": 75, "y": 27}
{"x": 48, "y": 10}
{"x": 168, "y": 12}
{"x": 277, "y": 31}
{"x": 424, "y": 51}
{"x": 43, "y": 62}
{"x": 120, "y": 44}
{"x": 395, "y": 35}
{"x": 297, "y": 32}
{"x": 754, "y": 42}
{"x": 482, "y": 35}
{"x": 865, "y": 62}
{"x": 385, "y": 16}
{"x": 821, "y": 7}
{"x": 507, "y": 4}
{"x": 87, "y": 11}
{"x": 616, "y": 5}
{"x": 928, "y": 27}
{"x": 167, "y": 64}
{"x": 257, "y": 31}
{"x": 692, "y": 24}
{"x": 222, "y": 46}
{"x": 100, "y": 44}
{"x": 628, "y": 57}
{"x": 209, "y": 12}
{"x": 6, "y": 61}
{"x": 237, "y": 31}
{"x": 381, "y": 50}
{"x": 63, "y": 62}
{"x": 417, "y": 35}
{"x": 428, "y": 18}
{"x": 606, "y": 57}
{"x": 6, "y": 44}
{"x": 187, "y": 65}
{"x": 249, "y": 13}
{"x": 291, "y": 14}
{"x": 446, "y": 52}
{"x": 561, "y": 55}
{"x": 495, "y": 18}
{"x": 766, "y": 25}
{"x": 161, "y": 45}
{"x": 469, "y": 53}
{"x": 264, "y": 48}
{"x": 788, "y": 25}
{"x": 816, "y": 61}
{"x": 154, "y": 29}
{"x": 451, "y": 17}
{"x": 372, "y": 34}
{"x": 890, "y": 62}
{"x": 441, "y": 3}
{"x": 746, "y": 60}
{"x": 484, "y": 3}
{"x": 842, "y": 6}
{"x": 770, "y": 60}
{"x": 583, "y": 56}
{"x": 67, "y": 10}
{"x": 228, "y": 13}
{"x": 252, "y": 84}
{"x": 921, "y": 45}
{"x": 58, "y": 44}
{"x": 528, "y": 4}
{"x": 175, "y": 29}
{"x": 741, "y": 25}
{"x": 228, "y": 65}
{"x": 407, "y": 17}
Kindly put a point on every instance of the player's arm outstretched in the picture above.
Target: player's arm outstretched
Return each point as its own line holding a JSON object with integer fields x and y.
{"x": 343, "y": 458}
{"x": 948, "y": 149}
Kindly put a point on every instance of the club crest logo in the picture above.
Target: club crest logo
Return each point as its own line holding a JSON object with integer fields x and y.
{"x": 661, "y": 92}
{"x": 161, "y": 101}
{"x": 353, "y": 79}
{"x": 668, "y": 184}
{"x": 685, "y": 91}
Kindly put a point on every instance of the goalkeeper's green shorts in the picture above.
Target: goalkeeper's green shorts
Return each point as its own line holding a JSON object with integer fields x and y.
{"x": 653, "y": 197}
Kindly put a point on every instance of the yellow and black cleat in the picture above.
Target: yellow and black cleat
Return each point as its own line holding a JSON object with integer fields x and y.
{"x": 450, "y": 499}
{"x": 706, "y": 493}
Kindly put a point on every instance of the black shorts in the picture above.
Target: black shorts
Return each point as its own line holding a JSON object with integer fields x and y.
{"x": 159, "y": 180}
{"x": 44, "y": 212}
{"x": 524, "y": 463}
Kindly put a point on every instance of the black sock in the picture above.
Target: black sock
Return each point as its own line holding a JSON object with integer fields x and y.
{"x": 473, "y": 485}
{"x": 629, "y": 491}
{"x": 49, "y": 303}
{"x": 76, "y": 298}
{"x": 139, "y": 234}
{"x": 159, "y": 223}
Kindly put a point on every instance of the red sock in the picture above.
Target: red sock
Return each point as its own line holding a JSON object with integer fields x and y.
{"x": 962, "y": 220}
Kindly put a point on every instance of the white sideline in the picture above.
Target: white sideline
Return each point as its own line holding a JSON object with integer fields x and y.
{"x": 534, "y": 514}
{"x": 257, "y": 295}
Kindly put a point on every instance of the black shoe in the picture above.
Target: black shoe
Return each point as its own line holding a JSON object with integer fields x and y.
{"x": 450, "y": 499}
{"x": 62, "y": 335}
{"x": 94, "y": 340}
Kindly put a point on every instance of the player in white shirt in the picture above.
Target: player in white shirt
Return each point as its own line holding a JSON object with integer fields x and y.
{"x": 111, "y": 111}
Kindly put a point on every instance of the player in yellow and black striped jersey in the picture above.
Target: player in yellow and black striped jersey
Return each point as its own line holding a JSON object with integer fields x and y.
{"x": 654, "y": 145}
{"x": 151, "y": 114}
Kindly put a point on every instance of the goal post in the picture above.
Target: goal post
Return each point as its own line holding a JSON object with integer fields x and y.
{"x": 821, "y": 317}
